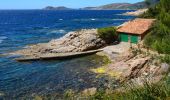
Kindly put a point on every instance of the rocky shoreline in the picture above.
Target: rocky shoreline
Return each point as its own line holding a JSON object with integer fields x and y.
{"x": 137, "y": 67}
{"x": 125, "y": 65}
{"x": 77, "y": 41}
{"x": 136, "y": 13}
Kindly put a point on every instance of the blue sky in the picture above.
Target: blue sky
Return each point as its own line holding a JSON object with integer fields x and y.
{"x": 37, "y": 4}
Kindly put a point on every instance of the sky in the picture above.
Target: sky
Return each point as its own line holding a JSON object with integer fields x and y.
{"x": 38, "y": 4}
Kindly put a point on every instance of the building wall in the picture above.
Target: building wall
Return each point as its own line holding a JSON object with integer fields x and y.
{"x": 125, "y": 37}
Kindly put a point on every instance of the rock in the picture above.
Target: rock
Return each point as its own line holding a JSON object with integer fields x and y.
{"x": 82, "y": 40}
{"x": 129, "y": 69}
{"x": 136, "y": 13}
{"x": 69, "y": 48}
{"x": 2, "y": 94}
{"x": 89, "y": 91}
{"x": 164, "y": 68}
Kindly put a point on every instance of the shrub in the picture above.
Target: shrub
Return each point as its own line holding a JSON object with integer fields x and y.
{"x": 151, "y": 13}
{"x": 150, "y": 91}
{"x": 158, "y": 38}
{"x": 108, "y": 34}
{"x": 166, "y": 59}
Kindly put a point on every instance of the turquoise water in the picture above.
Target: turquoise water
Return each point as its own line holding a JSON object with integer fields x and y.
{"x": 23, "y": 27}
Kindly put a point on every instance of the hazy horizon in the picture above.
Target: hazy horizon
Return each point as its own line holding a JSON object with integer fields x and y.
{"x": 39, "y": 4}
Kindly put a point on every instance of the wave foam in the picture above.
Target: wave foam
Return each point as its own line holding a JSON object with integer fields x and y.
{"x": 119, "y": 19}
{"x": 2, "y": 38}
{"x": 93, "y": 19}
{"x": 57, "y": 31}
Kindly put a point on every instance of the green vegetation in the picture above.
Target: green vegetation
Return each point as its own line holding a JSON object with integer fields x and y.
{"x": 158, "y": 91}
{"x": 149, "y": 91}
{"x": 165, "y": 59}
{"x": 158, "y": 38}
{"x": 108, "y": 34}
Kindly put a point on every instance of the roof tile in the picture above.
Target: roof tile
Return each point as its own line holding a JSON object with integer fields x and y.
{"x": 137, "y": 26}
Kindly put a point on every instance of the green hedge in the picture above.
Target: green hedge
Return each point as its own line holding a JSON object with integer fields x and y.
{"x": 108, "y": 34}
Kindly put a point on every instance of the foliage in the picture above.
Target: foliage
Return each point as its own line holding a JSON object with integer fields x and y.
{"x": 151, "y": 13}
{"x": 166, "y": 59}
{"x": 108, "y": 34}
{"x": 149, "y": 91}
{"x": 158, "y": 38}
{"x": 69, "y": 94}
{"x": 150, "y": 3}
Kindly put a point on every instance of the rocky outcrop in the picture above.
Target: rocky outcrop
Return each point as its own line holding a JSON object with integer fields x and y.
{"x": 139, "y": 68}
{"x": 136, "y": 13}
{"x": 77, "y": 41}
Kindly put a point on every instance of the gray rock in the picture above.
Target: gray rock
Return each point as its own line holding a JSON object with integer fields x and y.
{"x": 77, "y": 41}
{"x": 164, "y": 68}
{"x": 89, "y": 91}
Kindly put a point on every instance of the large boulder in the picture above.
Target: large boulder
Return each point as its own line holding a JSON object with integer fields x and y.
{"x": 77, "y": 41}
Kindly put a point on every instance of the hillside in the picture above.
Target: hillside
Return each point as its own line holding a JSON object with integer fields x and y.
{"x": 113, "y": 6}
{"x": 124, "y": 6}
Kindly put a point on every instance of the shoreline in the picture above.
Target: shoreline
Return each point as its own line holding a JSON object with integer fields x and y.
{"x": 136, "y": 13}
{"x": 84, "y": 40}
{"x": 75, "y": 42}
{"x": 124, "y": 64}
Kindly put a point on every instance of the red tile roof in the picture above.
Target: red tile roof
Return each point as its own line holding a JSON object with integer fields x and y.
{"x": 137, "y": 26}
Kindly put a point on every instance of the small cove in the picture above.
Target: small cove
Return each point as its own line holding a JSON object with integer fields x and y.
{"x": 48, "y": 77}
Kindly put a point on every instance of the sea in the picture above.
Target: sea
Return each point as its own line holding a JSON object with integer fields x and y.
{"x": 19, "y": 28}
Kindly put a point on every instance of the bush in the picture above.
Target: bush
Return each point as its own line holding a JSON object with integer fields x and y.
{"x": 150, "y": 91}
{"x": 166, "y": 59}
{"x": 151, "y": 13}
{"x": 158, "y": 38}
{"x": 108, "y": 34}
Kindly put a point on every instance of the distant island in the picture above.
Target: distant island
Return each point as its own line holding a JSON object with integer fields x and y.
{"x": 57, "y": 8}
{"x": 113, "y": 6}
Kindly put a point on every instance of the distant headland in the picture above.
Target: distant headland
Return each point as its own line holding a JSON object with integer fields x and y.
{"x": 113, "y": 6}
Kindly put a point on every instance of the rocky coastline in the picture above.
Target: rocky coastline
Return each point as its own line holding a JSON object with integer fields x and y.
{"x": 135, "y": 67}
{"x": 136, "y": 13}
{"x": 126, "y": 66}
{"x": 77, "y": 41}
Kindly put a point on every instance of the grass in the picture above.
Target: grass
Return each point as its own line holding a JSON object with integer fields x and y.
{"x": 157, "y": 91}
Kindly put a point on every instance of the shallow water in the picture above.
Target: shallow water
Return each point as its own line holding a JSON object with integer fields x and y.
{"x": 24, "y": 27}
{"x": 46, "y": 77}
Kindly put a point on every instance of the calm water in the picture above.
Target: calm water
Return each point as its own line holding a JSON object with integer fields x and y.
{"x": 20, "y": 28}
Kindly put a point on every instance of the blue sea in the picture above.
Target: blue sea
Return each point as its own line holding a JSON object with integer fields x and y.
{"x": 19, "y": 28}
